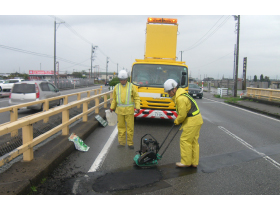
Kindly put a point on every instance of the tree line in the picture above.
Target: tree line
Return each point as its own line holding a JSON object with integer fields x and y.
{"x": 262, "y": 78}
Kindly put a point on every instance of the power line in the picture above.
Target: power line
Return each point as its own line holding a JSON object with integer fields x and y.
{"x": 76, "y": 33}
{"x": 201, "y": 40}
{"x": 207, "y": 32}
{"x": 213, "y": 61}
{"x": 73, "y": 30}
{"x": 61, "y": 59}
{"x": 81, "y": 37}
{"x": 39, "y": 54}
{"x": 25, "y": 51}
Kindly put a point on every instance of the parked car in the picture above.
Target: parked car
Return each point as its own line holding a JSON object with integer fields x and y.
{"x": 29, "y": 91}
{"x": 106, "y": 83}
{"x": 195, "y": 91}
{"x": 5, "y": 88}
{"x": 2, "y": 81}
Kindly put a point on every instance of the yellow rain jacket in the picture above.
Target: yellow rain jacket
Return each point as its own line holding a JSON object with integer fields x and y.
{"x": 134, "y": 99}
{"x": 183, "y": 106}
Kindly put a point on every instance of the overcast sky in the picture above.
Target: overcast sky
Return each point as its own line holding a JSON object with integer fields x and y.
{"x": 207, "y": 41}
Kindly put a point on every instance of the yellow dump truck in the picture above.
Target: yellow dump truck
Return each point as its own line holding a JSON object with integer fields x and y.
{"x": 158, "y": 65}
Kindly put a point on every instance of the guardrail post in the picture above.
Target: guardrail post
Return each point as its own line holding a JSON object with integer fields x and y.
{"x": 65, "y": 101}
{"x": 270, "y": 95}
{"x": 13, "y": 118}
{"x": 97, "y": 104}
{"x": 105, "y": 101}
{"x": 65, "y": 119}
{"x": 27, "y": 136}
{"x": 88, "y": 94}
{"x": 254, "y": 93}
{"x": 259, "y": 93}
{"x": 85, "y": 108}
{"x": 46, "y": 108}
{"x": 79, "y": 98}
{"x": 100, "y": 90}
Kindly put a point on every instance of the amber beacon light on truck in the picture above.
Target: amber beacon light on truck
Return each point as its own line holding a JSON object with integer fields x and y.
{"x": 162, "y": 20}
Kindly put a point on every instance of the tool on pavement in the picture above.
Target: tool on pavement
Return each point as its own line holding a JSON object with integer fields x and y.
{"x": 149, "y": 147}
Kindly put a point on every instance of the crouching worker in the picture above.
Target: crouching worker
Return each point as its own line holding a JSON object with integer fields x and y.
{"x": 125, "y": 97}
{"x": 190, "y": 118}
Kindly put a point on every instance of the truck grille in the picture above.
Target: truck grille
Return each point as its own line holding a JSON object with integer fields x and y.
{"x": 157, "y": 104}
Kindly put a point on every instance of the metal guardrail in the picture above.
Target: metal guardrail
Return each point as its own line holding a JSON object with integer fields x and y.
{"x": 262, "y": 93}
{"x": 26, "y": 123}
{"x": 14, "y": 109}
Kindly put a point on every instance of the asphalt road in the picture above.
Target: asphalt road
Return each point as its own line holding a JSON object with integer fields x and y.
{"x": 239, "y": 155}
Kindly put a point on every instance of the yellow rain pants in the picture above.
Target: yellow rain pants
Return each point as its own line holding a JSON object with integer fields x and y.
{"x": 125, "y": 126}
{"x": 125, "y": 114}
{"x": 189, "y": 146}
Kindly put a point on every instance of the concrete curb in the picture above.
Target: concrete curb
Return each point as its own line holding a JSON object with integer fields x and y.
{"x": 21, "y": 176}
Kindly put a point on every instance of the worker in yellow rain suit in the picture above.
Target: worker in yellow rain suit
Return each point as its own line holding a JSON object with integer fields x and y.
{"x": 125, "y": 97}
{"x": 190, "y": 118}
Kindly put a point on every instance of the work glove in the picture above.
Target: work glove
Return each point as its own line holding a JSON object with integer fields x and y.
{"x": 137, "y": 111}
{"x": 176, "y": 122}
{"x": 111, "y": 110}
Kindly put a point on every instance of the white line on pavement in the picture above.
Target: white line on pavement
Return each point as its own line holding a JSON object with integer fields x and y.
{"x": 270, "y": 160}
{"x": 101, "y": 157}
{"x": 244, "y": 110}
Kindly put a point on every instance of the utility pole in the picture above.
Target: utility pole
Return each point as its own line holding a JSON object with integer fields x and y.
{"x": 181, "y": 54}
{"x": 107, "y": 68}
{"x": 54, "y": 63}
{"x": 117, "y": 69}
{"x": 92, "y": 58}
{"x": 237, "y": 55}
{"x": 54, "y": 68}
{"x": 91, "y": 61}
{"x": 233, "y": 74}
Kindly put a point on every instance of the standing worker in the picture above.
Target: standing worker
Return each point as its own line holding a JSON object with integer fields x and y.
{"x": 125, "y": 97}
{"x": 190, "y": 117}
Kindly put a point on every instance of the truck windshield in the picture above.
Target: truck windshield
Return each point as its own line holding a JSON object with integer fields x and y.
{"x": 154, "y": 75}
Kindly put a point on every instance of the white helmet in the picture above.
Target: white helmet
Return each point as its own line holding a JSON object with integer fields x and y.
{"x": 169, "y": 85}
{"x": 122, "y": 74}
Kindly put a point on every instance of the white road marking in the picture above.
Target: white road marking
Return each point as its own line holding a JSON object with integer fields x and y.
{"x": 2, "y": 101}
{"x": 270, "y": 160}
{"x": 244, "y": 110}
{"x": 102, "y": 155}
{"x": 99, "y": 160}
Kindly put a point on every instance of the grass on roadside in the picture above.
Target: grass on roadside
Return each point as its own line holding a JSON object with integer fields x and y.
{"x": 230, "y": 99}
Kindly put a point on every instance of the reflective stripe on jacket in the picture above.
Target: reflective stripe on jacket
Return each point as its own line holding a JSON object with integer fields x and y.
{"x": 194, "y": 108}
{"x": 184, "y": 106}
{"x": 125, "y": 98}
{"x": 128, "y": 101}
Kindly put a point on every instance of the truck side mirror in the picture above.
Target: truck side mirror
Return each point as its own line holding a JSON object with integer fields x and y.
{"x": 183, "y": 79}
